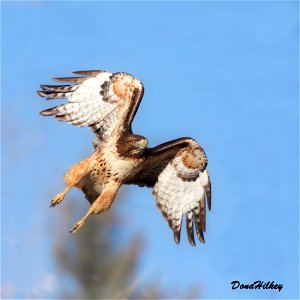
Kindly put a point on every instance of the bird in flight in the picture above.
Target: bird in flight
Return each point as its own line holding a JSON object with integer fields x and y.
{"x": 176, "y": 170}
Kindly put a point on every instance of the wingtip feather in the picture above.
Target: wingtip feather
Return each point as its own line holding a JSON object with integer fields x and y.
{"x": 90, "y": 73}
{"x": 48, "y": 112}
{"x": 203, "y": 213}
{"x": 69, "y": 79}
{"x": 190, "y": 228}
{"x": 42, "y": 94}
{"x": 208, "y": 195}
{"x": 177, "y": 238}
{"x": 202, "y": 239}
{"x": 177, "y": 232}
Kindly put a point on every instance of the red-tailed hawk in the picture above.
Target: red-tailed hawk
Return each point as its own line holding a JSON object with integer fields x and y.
{"x": 176, "y": 170}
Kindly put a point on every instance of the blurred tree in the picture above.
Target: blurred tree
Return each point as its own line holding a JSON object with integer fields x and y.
{"x": 103, "y": 266}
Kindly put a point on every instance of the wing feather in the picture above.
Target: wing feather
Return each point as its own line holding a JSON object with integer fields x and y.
{"x": 177, "y": 172}
{"x": 190, "y": 228}
{"x": 101, "y": 100}
{"x": 91, "y": 73}
{"x": 157, "y": 159}
{"x": 58, "y": 88}
{"x": 180, "y": 197}
{"x": 69, "y": 79}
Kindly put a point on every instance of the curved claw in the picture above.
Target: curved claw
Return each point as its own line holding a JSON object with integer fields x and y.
{"x": 57, "y": 199}
{"x": 77, "y": 226}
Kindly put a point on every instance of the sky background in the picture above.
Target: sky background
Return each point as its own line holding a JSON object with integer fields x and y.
{"x": 224, "y": 73}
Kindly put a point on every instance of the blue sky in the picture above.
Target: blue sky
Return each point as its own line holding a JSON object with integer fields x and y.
{"x": 224, "y": 73}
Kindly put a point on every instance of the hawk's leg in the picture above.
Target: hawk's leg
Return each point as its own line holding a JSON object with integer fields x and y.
{"x": 101, "y": 204}
{"x": 72, "y": 178}
{"x": 59, "y": 197}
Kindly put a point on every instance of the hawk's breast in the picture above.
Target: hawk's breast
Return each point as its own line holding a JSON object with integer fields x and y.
{"x": 110, "y": 165}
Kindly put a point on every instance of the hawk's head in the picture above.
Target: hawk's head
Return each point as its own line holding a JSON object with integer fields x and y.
{"x": 132, "y": 145}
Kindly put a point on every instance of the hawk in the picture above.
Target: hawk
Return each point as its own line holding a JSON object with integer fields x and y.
{"x": 176, "y": 170}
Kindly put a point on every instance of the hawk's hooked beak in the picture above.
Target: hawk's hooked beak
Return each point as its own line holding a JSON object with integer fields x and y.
{"x": 143, "y": 143}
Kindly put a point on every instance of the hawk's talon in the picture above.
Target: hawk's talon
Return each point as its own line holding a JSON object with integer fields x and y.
{"x": 77, "y": 226}
{"x": 57, "y": 199}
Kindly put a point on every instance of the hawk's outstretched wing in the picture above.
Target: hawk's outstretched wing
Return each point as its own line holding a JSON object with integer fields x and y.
{"x": 101, "y": 100}
{"x": 177, "y": 172}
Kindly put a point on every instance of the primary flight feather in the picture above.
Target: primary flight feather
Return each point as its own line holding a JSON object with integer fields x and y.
{"x": 176, "y": 170}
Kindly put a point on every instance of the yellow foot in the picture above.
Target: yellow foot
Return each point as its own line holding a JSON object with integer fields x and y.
{"x": 57, "y": 199}
{"x": 77, "y": 226}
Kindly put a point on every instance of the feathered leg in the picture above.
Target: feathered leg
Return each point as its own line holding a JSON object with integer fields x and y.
{"x": 101, "y": 204}
{"x": 72, "y": 178}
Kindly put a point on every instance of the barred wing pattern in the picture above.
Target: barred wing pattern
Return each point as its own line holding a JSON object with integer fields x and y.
{"x": 181, "y": 185}
{"x": 98, "y": 99}
{"x": 176, "y": 197}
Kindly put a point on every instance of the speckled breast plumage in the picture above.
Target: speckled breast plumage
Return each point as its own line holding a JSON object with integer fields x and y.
{"x": 109, "y": 166}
